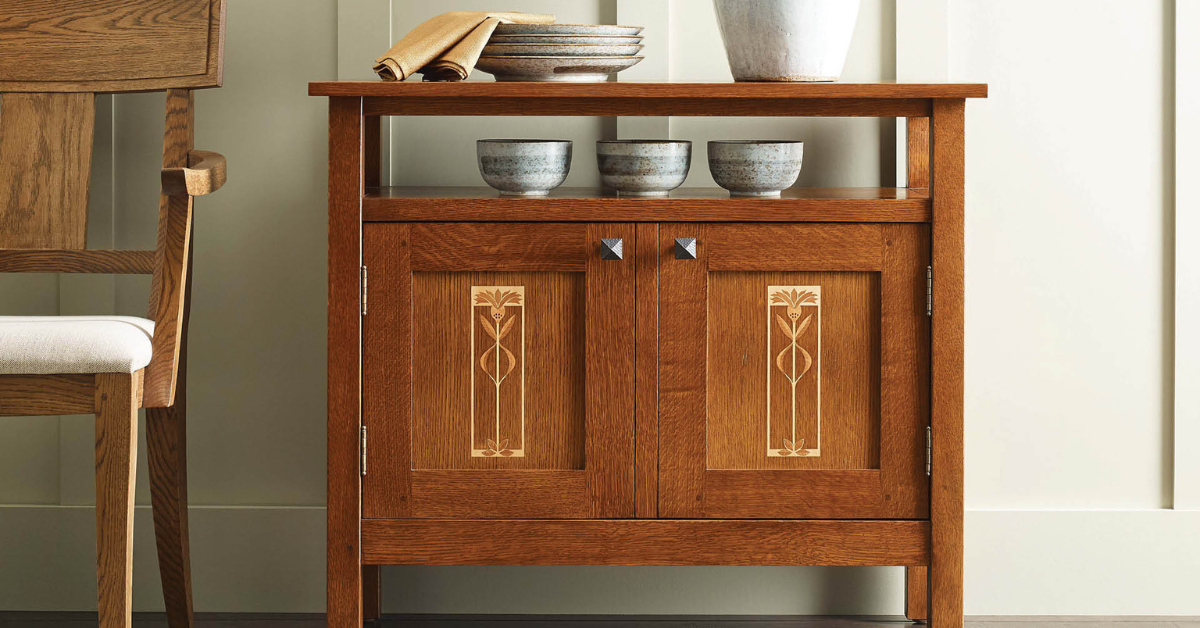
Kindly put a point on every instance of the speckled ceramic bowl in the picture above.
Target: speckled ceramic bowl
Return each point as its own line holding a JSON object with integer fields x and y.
{"x": 643, "y": 167}
{"x": 755, "y": 167}
{"x": 524, "y": 167}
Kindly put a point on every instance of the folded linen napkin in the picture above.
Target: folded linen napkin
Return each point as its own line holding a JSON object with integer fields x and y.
{"x": 447, "y": 47}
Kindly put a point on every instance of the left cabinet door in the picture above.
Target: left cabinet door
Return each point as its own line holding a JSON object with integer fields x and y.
{"x": 498, "y": 370}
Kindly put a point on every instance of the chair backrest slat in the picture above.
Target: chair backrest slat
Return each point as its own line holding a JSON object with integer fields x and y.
{"x": 45, "y": 168}
{"x": 110, "y": 45}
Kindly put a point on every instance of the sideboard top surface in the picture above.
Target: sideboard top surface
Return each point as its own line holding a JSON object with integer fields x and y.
{"x": 476, "y": 89}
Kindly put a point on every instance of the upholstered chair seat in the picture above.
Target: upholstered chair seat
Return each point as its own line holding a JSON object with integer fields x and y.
{"x": 48, "y": 345}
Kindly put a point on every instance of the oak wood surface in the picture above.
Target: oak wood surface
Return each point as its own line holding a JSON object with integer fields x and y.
{"x": 854, "y": 247}
{"x": 166, "y": 445}
{"x": 848, "y": 368}
{"x": 633, "y": 89}
{"x": 44, "y": 395}
{"x": 387, "y": 371}
{"x": 204, "y": 174}
{"x": 45, "y": 166}
{"x": 111, "y": 45}
{"x": 543, "y": 407}
{"x": 946, "y": 486}
{"x": 646, "y": 377}
{"x": 343, "y": 496}
{"x": 683, "y": 301}
{"x": 713, "y": 372}
{"x": 171, "y": 254}
{"x": 610, "y": 333}
{"x": 916, "y": 593}
{"x": 798, "y": 204}
{"x": 509, "y": 247}
{"x": 117, "y": 398}
{"x": 645, "y": 542}
{"x": 643, "y": 106}
{"x": 576, "y": 323}
{"x": 501, "y": 494}
{"x": 917, "y": 143}
{"x": 72, "y": 261}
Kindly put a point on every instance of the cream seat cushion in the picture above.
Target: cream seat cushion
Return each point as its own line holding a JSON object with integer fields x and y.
{"x": 46, "y": 345}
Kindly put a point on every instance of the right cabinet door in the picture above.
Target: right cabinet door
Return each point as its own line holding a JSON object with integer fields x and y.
{"x": 793, "y": 371}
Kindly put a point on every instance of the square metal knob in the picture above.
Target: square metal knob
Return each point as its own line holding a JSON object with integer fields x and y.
{"x": 612, "y": 248}
{"x": 685, "y": 248}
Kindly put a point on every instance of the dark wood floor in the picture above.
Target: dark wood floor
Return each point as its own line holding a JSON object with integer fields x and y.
{"x": 210, "y": 620}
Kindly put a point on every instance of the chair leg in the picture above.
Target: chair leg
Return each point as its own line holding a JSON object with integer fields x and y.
{"x": 166, "y": 440}
{"x": 916, "y": 593}
{"x": 118, "y": 396}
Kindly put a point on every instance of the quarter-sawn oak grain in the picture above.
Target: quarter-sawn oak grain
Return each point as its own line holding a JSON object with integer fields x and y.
{"x": 645, "y": 542}
{"x": 798, "y": 204}
{"x": 946, "y": 492}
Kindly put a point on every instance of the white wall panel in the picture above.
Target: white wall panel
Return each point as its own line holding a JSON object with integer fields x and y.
{"x": 1065, "y": 253}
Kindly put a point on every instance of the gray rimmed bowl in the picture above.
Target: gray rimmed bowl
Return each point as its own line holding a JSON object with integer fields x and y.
{"x": 755, "y": 167}
{"x": 600, "y": 30}
{"x": 561, "y": 50}
{"x": 524, "y": 167}
{"x": 643, "y": 167}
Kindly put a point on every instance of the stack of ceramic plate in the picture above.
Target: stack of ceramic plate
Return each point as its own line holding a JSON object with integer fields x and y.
{"x": 580, "y": 53}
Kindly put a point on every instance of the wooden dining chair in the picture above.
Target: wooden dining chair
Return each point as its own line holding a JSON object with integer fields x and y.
{"x": 56, "y": 56}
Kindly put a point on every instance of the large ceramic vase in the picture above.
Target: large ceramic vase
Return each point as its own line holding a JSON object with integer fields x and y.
{"x": 786, "y": 40}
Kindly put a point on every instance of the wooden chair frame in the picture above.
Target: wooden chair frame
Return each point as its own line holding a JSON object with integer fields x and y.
{"x": 87, "y": 52}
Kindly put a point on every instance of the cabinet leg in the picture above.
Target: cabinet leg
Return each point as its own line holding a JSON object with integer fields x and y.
{"x": 916, "y": 593}
{"x": 372, "y": 588}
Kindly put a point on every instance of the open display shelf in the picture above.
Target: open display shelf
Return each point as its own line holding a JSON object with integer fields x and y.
{"x": 798, "y": 204}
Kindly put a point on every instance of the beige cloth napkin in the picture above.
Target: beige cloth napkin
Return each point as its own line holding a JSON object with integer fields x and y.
{"x": 447, "y": 47}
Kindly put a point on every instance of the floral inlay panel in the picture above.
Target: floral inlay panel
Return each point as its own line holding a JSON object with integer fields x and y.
{"x": 793, "y": 369}
{"x": 498, "y": 371}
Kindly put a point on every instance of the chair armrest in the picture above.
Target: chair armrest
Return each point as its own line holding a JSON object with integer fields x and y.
{"x": 205, "y": 174}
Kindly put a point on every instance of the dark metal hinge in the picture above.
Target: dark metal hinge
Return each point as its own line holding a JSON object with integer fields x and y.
{"x": 363, "y": 451}
{"x": 929, "y": 291}
{"x": 362, "y": 287}
{"x": 928, "y": 451}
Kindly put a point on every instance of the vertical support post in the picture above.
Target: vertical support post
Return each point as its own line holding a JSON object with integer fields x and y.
{"x": 946, "y": 485}
{"x": 372, "y": 151}
{"x": 918, "y": 152}
{"x": 916, "y": 593}
{"x": 916, "y": 579}
{"x": 344, "y": 563}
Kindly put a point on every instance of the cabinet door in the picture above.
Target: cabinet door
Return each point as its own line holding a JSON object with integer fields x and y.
{"x": 794, "y": 371}
{"x": 498, "y": 371}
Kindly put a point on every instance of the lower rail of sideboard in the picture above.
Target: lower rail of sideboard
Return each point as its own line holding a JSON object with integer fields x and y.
{"x": 645, "y": 542}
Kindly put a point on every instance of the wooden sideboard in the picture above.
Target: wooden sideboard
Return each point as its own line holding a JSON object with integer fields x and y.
{"x": 748, "y": 381}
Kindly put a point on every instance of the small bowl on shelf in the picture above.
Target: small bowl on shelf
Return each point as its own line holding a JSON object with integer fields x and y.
{"x": 524, "y": 167}
{"x": 643, "y": 167}
{"x": 755, "y": 167}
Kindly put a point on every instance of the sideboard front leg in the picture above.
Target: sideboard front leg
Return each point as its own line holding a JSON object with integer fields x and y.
{"x": 916, "y": 593}
{"x": 343, "y": 511}
{"x": 946, "y": 481}
{"x": 372, "y": 585}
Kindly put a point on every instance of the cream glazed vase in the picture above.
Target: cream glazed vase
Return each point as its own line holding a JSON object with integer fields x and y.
{"x": 786, "y": 40}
